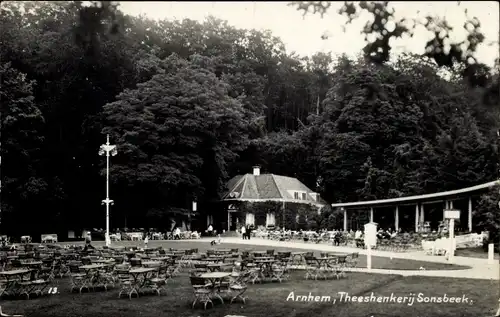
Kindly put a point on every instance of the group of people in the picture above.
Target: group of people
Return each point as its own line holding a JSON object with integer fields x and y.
{"x": 246, "y": 232}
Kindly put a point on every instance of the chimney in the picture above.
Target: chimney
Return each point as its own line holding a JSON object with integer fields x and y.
{"x": 256, "y": 170}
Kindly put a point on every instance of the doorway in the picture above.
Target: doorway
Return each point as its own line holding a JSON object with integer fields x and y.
{"x": 235, "y": 220}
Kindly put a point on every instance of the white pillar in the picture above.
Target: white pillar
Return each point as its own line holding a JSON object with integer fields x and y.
{"x": 371, "y": 214}
{"x": 416, "y": 218}
{"x": 228, "y": 220}
{"x": 446, "y": 206}
{"x": 345, "y": 220}
{"x": 422, "y": 214}
{"x": 470, "y": 215}
{"x": 451, "y": 253}
{"x": 491, "y": 253}
{"x": 396, "y": 219}
{"x": 451, "y": 207}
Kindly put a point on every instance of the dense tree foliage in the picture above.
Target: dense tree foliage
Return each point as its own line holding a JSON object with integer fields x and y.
{"x": 487, "y": 214}
{"x": 191, "y": 104}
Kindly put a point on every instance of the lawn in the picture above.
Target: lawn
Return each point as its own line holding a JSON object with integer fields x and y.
{"x": 475, "y": 253}
{"x": 377, "y": 262}
{"x": 270, "y": 299}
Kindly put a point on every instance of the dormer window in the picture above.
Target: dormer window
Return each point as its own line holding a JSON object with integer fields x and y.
{"x": 304, "y": 196}
{"x": 296, "y": 195}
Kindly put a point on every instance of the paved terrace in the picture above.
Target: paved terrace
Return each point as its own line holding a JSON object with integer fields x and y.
{"x": 480, "y": 269}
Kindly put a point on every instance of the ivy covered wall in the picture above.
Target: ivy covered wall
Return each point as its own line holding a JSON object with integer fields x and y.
{"x": 294, "y": 216}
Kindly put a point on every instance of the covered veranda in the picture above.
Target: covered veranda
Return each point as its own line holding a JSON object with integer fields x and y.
{"x": 462, "y": 199}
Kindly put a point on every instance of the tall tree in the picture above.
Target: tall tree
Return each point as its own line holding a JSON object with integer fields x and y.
{"x": 177, "y": 134}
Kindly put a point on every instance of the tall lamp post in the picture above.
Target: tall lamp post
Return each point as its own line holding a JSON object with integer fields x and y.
{"x": 108, "y": 150}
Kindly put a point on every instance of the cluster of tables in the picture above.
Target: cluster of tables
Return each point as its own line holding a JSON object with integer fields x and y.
{"x": 23, "y": 277}
{"x": 216, "y": 267}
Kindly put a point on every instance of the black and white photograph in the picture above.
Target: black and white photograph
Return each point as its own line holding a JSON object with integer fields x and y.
{"x": 250, "y": 159}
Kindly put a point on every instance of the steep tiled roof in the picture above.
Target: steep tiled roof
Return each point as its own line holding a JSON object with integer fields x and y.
{"x": 267, "y": 187}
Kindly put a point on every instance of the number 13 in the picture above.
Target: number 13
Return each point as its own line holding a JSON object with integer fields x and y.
{"x": 52, "y": 290}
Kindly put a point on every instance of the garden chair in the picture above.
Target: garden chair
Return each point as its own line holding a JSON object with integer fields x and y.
{"x": 25, "y": 288}
{"x": 60, "y": 268}
{"x": 239, "y": 287}
{"x": 119, "y": 259}
{"x": 201, "y": 291}
{"x": 311, "y": 267}
{"x": 78, "y": 279}
{"x": 278, "y": 271}
{"x": 157, "y": 283}
{"x": 341, "y": 266}
{"x": 136, "y": 262}
{"x": 107, "y": 276}
{"x": 286, "y": 263}
{"x": 36, "y": 287}
{"x": 254, "y": 273}
{"x": 172, "y": 268}
{"x": 120, "y": 269}
{"x": 245, "y": 255}
{"x": 16, "y": 264}
{"x": 199, "y": 269}
{"x": 283, "y": 255}
{"x": 3, "y": 286}
{"x": 126, "y": 282}
{"x": 86, "y": 261}
{"x": 354, "y": 259}
{"x": 44, "y": 278}
{"x": 223, "y": 287}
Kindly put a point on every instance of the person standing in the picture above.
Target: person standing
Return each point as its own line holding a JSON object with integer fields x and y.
{"x": 146, "y": 240}
{"x": 249, "y": 232}
{"x": 210, "y": 230}
{"x": 88, "y": 245}
{"x": 243, "y": 232}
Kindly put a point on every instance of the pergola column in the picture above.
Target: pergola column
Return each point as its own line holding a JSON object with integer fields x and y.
{"x": 371, "y": 214}
{"x": 416, "y": 217}
{"x": 345, "y": 220}
{"x": 396, "y": 219}
{"x": 446, "y": 206}
{"x": 470, "y": 215}
{"x": 422, "y": 214}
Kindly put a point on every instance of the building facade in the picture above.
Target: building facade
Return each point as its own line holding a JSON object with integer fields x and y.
{"x": 257, "y": 187}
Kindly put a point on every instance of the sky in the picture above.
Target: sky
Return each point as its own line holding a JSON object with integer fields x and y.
{"x": 303, "y": 34}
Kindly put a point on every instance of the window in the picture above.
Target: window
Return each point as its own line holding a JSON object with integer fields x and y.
{"x": 304, "y": 196}
{"x": 296, "y": 195}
